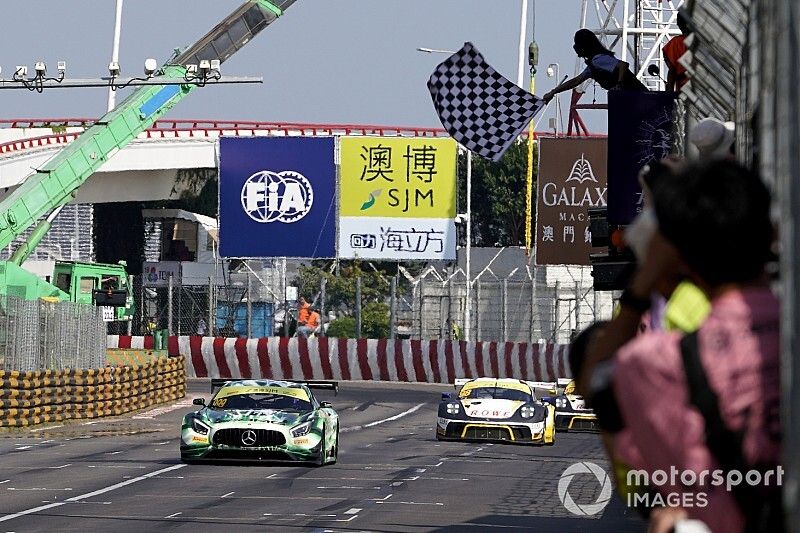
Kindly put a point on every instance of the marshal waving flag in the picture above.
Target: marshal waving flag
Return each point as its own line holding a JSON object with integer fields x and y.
{"x": 480, "y": 108}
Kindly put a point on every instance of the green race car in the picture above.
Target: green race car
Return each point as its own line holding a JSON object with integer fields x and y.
{"x": 262, "y": 420}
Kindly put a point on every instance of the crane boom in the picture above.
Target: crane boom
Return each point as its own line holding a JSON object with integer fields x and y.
{"x": 52, "y": 186}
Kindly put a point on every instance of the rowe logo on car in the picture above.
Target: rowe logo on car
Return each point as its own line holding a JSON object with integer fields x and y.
{"x": 488, "y": 413}
{"x": 249, "y": 437}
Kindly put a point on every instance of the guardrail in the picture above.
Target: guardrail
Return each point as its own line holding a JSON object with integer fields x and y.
{"x": 31, "y": 398}
{"x": 434, "y": 361}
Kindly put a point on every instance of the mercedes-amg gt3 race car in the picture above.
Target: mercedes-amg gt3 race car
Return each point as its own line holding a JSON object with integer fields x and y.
{"x": 571, "y": 411}
{"x": 262, "y": 420}
{"x": 492, "y": 409}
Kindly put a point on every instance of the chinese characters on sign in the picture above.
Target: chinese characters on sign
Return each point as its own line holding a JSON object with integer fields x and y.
{"x": 397, "y": 198}
{"x": 572, "y": 179}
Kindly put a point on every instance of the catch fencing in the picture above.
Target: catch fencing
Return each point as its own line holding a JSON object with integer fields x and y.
{"x": 531, "y": 305}
{"x": 39, "y": 335}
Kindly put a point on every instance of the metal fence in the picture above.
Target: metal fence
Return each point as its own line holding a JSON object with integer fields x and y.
{"x": 523, "y": 307}
{"x": 529, "y": 305}
{"x": 37, "y": 335}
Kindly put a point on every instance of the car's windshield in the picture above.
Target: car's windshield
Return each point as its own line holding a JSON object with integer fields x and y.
{"x": 261, "y": 401}
{"x": 494, "y": 393}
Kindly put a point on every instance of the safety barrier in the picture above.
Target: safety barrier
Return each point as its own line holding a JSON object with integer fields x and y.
{"x": 31, "y": 398}
{"x": 434, "y": 361}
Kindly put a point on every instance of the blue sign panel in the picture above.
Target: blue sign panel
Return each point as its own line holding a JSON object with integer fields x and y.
{"x": 639, "y": 132}
{"x": 277, "y": 197}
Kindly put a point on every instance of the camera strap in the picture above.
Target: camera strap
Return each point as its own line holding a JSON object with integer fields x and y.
{"x": 762, "y": 511}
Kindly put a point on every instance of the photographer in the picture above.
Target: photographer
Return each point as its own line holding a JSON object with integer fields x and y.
{"x": 709, "y": 400}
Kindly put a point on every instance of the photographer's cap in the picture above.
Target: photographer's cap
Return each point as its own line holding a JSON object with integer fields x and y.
{"x": 712, "y": 137}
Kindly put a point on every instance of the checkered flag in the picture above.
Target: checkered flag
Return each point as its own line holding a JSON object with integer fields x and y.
{"x": 480, "y": 109}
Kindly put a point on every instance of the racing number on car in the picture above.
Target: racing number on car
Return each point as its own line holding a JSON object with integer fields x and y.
{"x": 219, "y": 402}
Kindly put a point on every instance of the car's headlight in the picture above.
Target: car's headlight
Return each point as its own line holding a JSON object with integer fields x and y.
{"x": 199, "y": 427}
{"x": 452, "y": 408}
{"x": 561, "y": 403}
{"x": 527, "y": 411}
{"x": 302, "y": 429}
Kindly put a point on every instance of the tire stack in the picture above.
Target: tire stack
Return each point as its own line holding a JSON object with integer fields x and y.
{"x": 32, "y": 398}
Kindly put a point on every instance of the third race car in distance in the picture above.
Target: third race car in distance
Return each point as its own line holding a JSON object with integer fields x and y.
{"x": 504, "y": 410}
{"x": 262, "y": 420}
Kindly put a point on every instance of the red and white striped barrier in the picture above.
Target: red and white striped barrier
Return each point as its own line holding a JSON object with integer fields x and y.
{"x": 435, "y": 361}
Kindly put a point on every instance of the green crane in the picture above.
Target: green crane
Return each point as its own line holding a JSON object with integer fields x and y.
{"x": 55, "y": 184}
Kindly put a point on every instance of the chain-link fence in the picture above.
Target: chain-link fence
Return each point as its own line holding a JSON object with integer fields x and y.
{"x": 523, "y": 307}
{"x": 36, "y": 335}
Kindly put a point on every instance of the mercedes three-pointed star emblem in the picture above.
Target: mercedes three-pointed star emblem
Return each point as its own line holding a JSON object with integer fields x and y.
{"x": 249, "y": 437}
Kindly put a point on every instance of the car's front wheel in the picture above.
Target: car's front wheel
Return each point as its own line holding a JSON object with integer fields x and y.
{"x": 320, "y": 460}
{"x": 335, "y": 452}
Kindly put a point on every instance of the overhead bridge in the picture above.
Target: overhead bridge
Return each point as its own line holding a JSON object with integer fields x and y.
{"x": 147, "y": 168}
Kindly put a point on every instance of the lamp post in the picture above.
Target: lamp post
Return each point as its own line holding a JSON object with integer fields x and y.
{"x": 468, "y": 222}
{"x": 112, "y": 94}
{"x": 553, "y": 70}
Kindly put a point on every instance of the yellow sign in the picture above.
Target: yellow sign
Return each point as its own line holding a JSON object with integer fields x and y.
{"x": 396, "y": 177}
{"x": 282, "y": 391}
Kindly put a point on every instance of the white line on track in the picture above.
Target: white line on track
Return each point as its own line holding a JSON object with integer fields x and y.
{"x": 23, "y": 448}
{"x": 413, "y": 503}
{"x": 4, "y": 481}
{"x": 173, "y": 515}
{"x": 354, "y": 510}
{"x": 226, "y": 495}
{"x": 58, "y": 467}
{"x": 98, "y": 492}
{"x": 48, "y": 427}
{"x": 383, "y": 421}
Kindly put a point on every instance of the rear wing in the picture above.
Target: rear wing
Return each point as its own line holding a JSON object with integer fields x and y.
{"x": 321, "y": 385}
{"x": 219, "y": 383}
{"x": 311, "y": 384}
{"x": 543, "y": 387}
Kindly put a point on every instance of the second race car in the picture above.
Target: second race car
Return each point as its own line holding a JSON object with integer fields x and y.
{"x": 571, "y": 411}
{"x": 492, "y": 409}
{"x": 262, "y": 420}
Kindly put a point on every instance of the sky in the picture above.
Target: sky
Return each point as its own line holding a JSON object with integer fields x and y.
{"x": 324, "y": 61}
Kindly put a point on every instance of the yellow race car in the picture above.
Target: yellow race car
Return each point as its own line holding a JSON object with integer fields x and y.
{"x": 490, "y": 409}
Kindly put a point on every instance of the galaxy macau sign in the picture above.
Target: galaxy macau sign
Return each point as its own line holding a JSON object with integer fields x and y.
{"x": 571, "y": 180}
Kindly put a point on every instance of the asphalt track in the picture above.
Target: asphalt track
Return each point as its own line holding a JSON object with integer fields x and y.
{"x": 124, "y": 474}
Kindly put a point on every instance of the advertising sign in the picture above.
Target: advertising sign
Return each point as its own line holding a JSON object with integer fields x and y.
{"x": 156, "y": 274}
{"x": 571, "y": 180}
{"x": 277, "y": 197}
{"x": 397, "y": 198}
{"x": 639, "y": 132}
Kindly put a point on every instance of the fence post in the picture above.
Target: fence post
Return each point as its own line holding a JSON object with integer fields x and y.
{"x": 169, "y": 306}
{"x": 143, "y": 321}
{"x": 594, "y": 304}
{"x": 533, "y": 306}
{"x": 210, "y": 306}
{"x": 504, "y": 315}
{"x": 577, "y": 308}
{"x": 556, "y": 313}
{"x": 358, "y": 307}
{"x": 421, "y": 287}
{"x": 249, "y": 306}
{"x": 392, "y": 305}
{"x": 323, "y": 286}
{"x": 130, "y": 322}
{"x": 477, "y": 311}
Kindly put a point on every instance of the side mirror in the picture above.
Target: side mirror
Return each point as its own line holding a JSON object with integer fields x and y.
{"x": 447, "y": 396}
{"x": 653, "y": 70}
{"x": 548, "y": 399}
{"x": 199, "y": 401}
{"x": 326, "y": 404}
